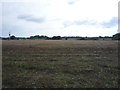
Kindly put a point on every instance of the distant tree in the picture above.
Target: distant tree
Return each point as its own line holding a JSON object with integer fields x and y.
{"x": 93, "y": 38}
{"x": 100, "y": 36}
{"x": 65, "y": 38}
{"x": 38, "y": 37}
{"x": 12, "y": 37}
{"x": 56, "y": 37}
{"x": 82, "y": 38}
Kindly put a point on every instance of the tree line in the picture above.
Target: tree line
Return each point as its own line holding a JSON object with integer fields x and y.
{"x": 42, "y": 37}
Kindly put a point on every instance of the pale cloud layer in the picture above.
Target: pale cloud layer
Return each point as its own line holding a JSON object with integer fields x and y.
{"x": 31, "y": 18}
{"x": 60, "y": 17}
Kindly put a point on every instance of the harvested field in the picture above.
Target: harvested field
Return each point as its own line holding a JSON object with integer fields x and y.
{"x": 60, "y": 64}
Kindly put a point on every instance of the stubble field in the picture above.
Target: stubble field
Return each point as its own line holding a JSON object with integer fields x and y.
{"x": 59, "y": 64}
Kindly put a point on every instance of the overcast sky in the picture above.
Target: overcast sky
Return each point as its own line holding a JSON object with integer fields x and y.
{"x": 60, "y": 17}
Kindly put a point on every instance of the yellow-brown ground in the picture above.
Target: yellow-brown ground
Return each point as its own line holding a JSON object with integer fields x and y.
{"x": 59, "y": 63}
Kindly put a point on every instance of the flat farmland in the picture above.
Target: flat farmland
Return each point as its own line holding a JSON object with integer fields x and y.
{"x": 60, "y": 64}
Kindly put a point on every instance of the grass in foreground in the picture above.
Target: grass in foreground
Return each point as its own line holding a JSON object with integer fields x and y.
{"x": 54, "y": 64}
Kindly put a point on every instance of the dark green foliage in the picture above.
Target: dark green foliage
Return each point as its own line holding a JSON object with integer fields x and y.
{"x": 56, "y": 38}
{"x": 42, "y": 37}
{"x": 38, "y": 37}
{"x": 12, "y": 37}
{"x": 66, "y": 38}
{"x": 116, "y": 36}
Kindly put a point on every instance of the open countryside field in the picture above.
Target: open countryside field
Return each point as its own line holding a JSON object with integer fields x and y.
{"x": 60, "y": 63}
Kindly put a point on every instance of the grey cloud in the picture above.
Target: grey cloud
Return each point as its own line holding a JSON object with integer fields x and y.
{"x": 31, "y": 18}
{"x": 79, "y": 22}
{"x": 72, "y": 1}
{"x": 85, "y": 22}
{"x": 66, "y": 24}
{"x": 24, "y": 16}
{"x": 111, "y": 23}
{"x": 38, "y": 20}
